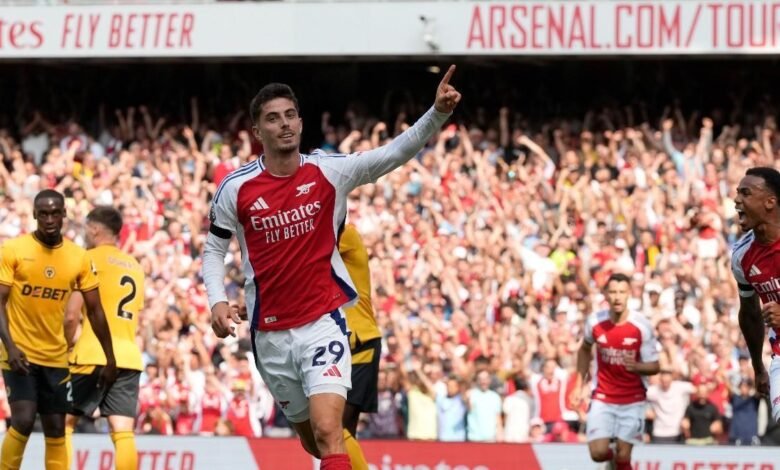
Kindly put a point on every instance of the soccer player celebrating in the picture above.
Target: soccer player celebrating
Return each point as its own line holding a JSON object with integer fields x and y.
{"x": 755, "y": 263}
{"x": 365, "y": 342}
{"x": 625, "y": 353}
{"x": 37, "y": 274}
{"x": 122, "y": 296}
{"x": 286, "y": 209}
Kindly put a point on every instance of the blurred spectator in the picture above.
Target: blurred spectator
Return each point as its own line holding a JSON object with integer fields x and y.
{"x": 518, "y": 410}
{"x": 451, "y": 410}
{"x": 537, "y": 433}
{"x": 484, "y": 416}
{"x": 223, "y": 428}
{"x": 240, "y": 413}
{"x": 487, "y": 251}
{"x": 702, "y": 422}
{"x": 743, "y": 429}
{"x": 561, "y": 432}
{"x": 668, "y": 400}
{"x": 421, "y": 419}
{"x": 387, "y": 422}
{"x": 212, "y": 406}
{"x": 549, "y": 394}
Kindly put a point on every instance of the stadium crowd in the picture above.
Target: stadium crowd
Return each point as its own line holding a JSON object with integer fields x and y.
{"x": 487, "y": 252}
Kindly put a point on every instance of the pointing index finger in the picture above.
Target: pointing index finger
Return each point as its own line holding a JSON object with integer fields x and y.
{"x": 446, "y": 80}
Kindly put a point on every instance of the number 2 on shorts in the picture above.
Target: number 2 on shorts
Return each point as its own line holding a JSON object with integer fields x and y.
{"x": 335, "y": 348}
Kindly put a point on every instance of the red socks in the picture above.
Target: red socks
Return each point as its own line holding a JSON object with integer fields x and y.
{"x": 335, "y": 462}
{"x": 623, "y": 465}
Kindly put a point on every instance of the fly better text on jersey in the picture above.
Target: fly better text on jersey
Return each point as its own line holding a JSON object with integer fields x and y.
{"x": 287, "y": 224}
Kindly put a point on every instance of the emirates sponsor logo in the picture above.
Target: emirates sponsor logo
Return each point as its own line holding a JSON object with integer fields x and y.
{"x": 286, "y": 224}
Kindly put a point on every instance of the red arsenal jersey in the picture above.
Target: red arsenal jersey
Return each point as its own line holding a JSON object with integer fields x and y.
{"x": 288, "y": 229}
{"x": 756, "y": 268}
{"x": 634, "y": 337}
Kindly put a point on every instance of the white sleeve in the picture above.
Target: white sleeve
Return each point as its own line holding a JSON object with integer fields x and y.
{"x": 214, "y": 268}
{"x": 745, "y": 289}
{"x": 366, "y": 167}
{"x": 223, "y": 225}
{"x": 222, "y": 214}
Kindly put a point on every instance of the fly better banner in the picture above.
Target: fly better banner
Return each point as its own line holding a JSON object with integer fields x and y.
{"x": 375, "y": 29}
{"x": 95, "y": 452}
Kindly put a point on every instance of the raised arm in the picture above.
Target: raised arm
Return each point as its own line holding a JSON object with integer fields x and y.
{"x": 371, "y": 165}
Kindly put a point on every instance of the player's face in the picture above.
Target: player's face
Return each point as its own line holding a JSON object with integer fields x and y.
{"x": 753, "y": 202}
{"x": 50, "y": 214}
{"x": 617, "y": 296}
{"x": 279, "y": 127}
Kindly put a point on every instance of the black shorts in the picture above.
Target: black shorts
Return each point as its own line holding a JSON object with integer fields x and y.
{"x": 121, "y": 399}
{"x": 49, "y": 387}
{"x": 365, "y": 374}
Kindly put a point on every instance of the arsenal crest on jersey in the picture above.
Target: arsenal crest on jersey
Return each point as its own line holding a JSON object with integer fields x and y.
{"x": 48, "y": 271}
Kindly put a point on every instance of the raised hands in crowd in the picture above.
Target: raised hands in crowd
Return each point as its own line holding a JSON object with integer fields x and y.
{"x": 487, "y": 251}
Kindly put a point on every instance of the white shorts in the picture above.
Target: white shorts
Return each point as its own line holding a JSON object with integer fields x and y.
{"x": 298, "y": 363}
{"x": 774, "y": 387}
{"x": 607, "y": 420}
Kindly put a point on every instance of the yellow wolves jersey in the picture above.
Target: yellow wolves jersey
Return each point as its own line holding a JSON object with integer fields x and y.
{"x": 41, "y": 280}
{"x": 360, "y": 317}
{"x": 122, "y": 295}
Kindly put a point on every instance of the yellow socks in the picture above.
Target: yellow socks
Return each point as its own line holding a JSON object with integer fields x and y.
{"x": 68, "y": 447}
{"x": 56, "y": 455}
{"x": 354, "y": 451}
{"x": 13, "y": 450}
{"x": 126, "y": 455}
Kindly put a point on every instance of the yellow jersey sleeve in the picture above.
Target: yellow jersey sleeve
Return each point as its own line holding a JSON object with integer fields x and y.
{"x": 87, "y": 278}
{"x": 360, "y": 317}
{"x": 7, "y": 264}
{"x": 121, "y": 281}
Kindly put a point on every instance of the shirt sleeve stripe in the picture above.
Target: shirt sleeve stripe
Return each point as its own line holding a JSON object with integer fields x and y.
{"x": 220, "y": 232}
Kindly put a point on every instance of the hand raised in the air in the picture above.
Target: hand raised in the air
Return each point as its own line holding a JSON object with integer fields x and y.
{"x": 771, "y": 313}
{"x": 447, "y": 97}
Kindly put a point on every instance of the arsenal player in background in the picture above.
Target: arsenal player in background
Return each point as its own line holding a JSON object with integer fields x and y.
{"x": 626, "y": 352}
{"x": 755, "y": 263}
